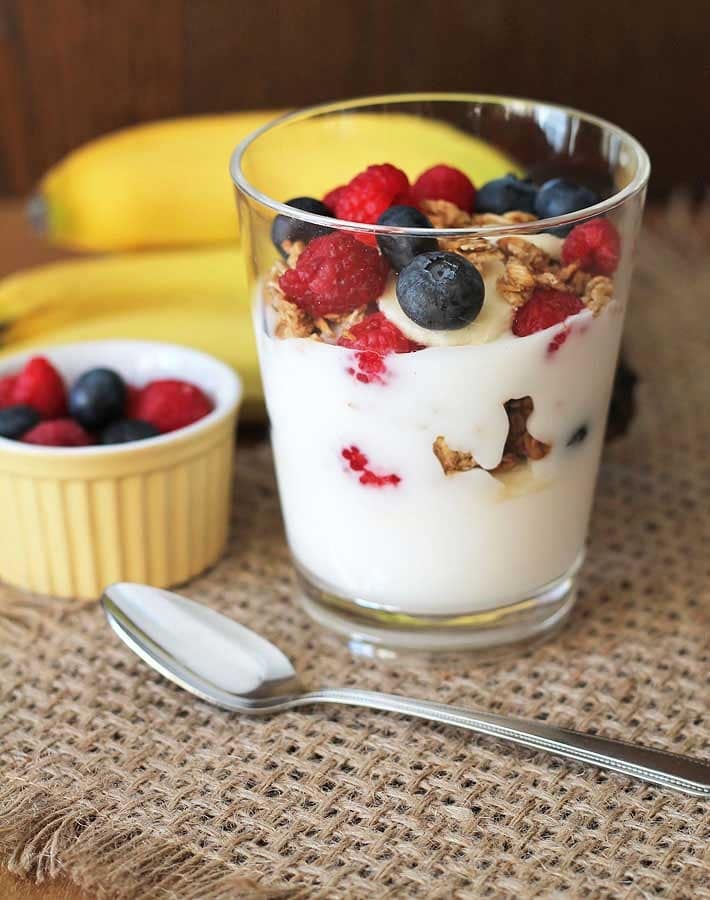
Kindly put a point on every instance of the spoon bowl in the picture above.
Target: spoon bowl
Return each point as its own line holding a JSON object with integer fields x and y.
{"x": 230, "y": 666}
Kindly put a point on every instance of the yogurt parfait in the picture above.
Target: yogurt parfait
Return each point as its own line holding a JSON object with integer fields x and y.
{"x": 438, "y": 356}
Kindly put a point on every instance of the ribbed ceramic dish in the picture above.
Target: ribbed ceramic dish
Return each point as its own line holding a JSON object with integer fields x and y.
{"x": 74, "y": 520}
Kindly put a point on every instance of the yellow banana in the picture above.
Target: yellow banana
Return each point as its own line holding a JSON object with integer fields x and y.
{"x": 163, "y": 183}
{"x": 166, "y": 184}
{"x": 193, "y": 297}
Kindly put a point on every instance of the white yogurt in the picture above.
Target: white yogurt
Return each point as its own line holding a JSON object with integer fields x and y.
{"x": 435, "y": 544}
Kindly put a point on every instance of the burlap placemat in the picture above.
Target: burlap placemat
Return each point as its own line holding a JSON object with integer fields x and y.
{"x": 133, "y": 788}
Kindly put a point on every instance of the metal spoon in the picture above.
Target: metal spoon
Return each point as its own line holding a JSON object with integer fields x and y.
{"x": 230, "y": 666}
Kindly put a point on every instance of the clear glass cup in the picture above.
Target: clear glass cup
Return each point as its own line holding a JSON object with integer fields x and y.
{"x": 440, "y": 498}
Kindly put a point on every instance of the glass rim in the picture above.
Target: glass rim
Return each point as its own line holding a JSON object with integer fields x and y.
{"x": 637, "y": 183}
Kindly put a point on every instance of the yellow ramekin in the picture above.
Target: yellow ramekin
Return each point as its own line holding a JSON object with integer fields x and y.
{"x": 75, "y": 519}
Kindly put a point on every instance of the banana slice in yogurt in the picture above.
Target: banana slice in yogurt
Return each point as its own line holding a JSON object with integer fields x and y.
{"x": 494, "y": 320}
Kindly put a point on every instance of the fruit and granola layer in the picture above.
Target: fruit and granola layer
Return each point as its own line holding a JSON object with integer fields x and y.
{"x": 400, "y": 293}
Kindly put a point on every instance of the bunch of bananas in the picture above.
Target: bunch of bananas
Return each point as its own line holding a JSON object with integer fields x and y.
{"x": 157, "y": 199}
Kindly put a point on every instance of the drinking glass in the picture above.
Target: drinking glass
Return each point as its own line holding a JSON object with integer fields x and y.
{"x": 440, "y": 498}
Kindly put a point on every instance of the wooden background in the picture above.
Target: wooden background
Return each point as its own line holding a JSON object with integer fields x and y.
{"x": 71, "y": 69}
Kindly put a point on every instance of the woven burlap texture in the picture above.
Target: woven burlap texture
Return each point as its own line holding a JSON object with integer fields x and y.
{"x": 132, "y": 788}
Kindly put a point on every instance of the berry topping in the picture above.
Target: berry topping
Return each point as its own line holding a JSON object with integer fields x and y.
{"x": 58, "y": 433}
{"x": 128, "y": 430}
{"x": 544, "y": 309}
{"x": 97, "y": 398}
{"x": 16, "y": 420}
{"x": 578, "y": 436}
{"x": 331, "y": 198}
{"x": 358, "y": 462}
{"x": 505, "y": 194}
{"x": 170, "y": 404}
{"x": 440, "y": 291}
{"x": 560, "y": 196}
{"x": 374, "y": 338}
{"x": 335, "y": 274}
{"x": 40, "y": 386}
{"x": 7, "y": 390}
{"x": 445, "y": 183}
{"x": 596, "y": 245}
{"x": 285, "y": 228}
{"x": 378, "y": 334}
{"x": 400, "y": 250}
{"x": 370, "y": 193}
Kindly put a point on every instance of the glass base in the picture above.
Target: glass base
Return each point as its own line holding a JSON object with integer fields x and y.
{"x": 372, "y": 631}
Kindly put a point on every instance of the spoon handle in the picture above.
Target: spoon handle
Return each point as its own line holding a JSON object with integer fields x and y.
{"x": 671, "y": 770}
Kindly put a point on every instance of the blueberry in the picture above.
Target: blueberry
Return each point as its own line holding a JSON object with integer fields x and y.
{"x": 579, "y": 436}
{"x": 400, "y": 250}
{"x": 560, "y": 196}
{"x": 16, "y": 420}
{"x": 505, "y": 194}
{"x": 284, "y": 228}
{"x": 440, "y": 291}
{"x": 126, "y": 430}
{"x": 97, "y": 398}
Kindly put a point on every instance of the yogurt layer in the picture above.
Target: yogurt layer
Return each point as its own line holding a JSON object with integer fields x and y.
{"x": 432, "y": 543}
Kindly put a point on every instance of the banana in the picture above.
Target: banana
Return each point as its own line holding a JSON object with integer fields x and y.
{"x": 163, "y": 183}
{"x": 194, "y": 297}
{"x": 166, "y": 184}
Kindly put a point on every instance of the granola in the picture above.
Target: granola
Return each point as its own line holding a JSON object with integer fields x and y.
{"x": 597, "y": 293}
{"x": 292, "y": 249}
{"x": 529, "y": 254}
{"x": 443, "y": 214}
{"x": 452, "y": 461}
{"x": 478, "y": 250}
{"x": 514, "y": 217}
{"x": 516, "y": 284}
{"x": 520, "y": 445}
{"x": 291, "y": 320}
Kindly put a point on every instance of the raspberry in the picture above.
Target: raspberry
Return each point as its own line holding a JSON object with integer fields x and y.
{"x": 544, "y": 309}
{"x": 170, "y": 404}
{"x": 358, "y": 462}
{"x": 40, "y": 386}
{"x": 58, "y": 433}
{"x": 370, "y": 193}
{"x": 374, "y": 338}
{"x": 7, "y": 390}
{"x": 335, "y": 274}
{"x": 596, "y": 245}
{"x": 445, "y": 183}
{"x": 378, "y": 334}
{"x": 332, "y": 197}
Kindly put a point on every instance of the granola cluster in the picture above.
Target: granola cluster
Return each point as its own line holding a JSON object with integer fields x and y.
{"x": 294, "y": 322}
{"x": 527, "y": 266}
{"x": 520, "y": 445}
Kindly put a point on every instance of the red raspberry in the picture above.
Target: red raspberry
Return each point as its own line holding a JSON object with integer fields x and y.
{"x": 335, "y": 274}
{"x": 544, "y": 309}
{"x": 358, "y": 462}
{"x": 375, "y": 337}
{"x": 378, "y": 334}
{"x": 332, "y": 197}
{"x": 370, "y": 193}
{"x": 7, "y": 390}
{"x": 58, "y": 433}
{"x": 445, "y": 183}
{"x": 170, "y": 404}
{"x": 595, "y": 244}
{"x": 40, "y": 386}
